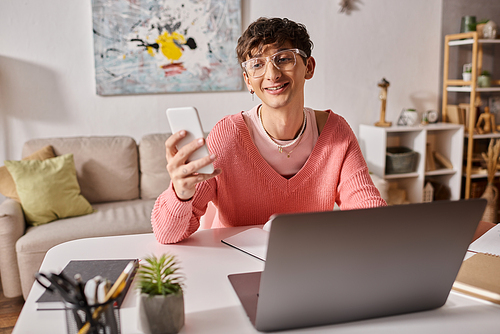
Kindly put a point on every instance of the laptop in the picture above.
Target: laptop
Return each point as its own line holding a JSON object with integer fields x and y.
{"x": 339, "y": 266}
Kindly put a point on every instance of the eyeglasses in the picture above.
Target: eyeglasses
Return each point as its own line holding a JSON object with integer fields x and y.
{"x": 283, "y": 60}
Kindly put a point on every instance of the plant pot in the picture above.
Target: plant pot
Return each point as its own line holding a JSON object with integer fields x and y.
{"x": 466, "y": 76}
{"x": 490, "y": 30}
{"x": 161, "y": 314}
{"x": 484, "y": 81}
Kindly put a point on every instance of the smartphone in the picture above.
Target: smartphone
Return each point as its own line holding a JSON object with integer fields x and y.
{"x": 186, "y": 118}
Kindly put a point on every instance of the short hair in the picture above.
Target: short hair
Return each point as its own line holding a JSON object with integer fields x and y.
{"x": 278, "y": 31}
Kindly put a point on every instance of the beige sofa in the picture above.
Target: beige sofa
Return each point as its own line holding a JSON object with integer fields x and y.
{"x": 120, "y": 178}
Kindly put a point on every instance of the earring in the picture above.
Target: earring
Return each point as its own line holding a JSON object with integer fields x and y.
{"x": 252, "y": 92}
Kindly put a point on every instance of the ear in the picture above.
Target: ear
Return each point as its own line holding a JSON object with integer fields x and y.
{"x": 310, "y": 66}
{"x": 247, "y": 81}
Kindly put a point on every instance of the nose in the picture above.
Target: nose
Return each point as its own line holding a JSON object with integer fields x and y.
{"x": 272, "y": 71}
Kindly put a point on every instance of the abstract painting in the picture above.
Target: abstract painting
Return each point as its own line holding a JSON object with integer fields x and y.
{"x": 166, "y": 46}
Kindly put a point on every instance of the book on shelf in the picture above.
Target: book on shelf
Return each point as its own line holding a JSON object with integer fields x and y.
{"x": 454, "y": 114}
{"x": 443, "y": 160}
{"x": 478, "y": 277}
{"x": 464, "y": 110}
{"x": 88, "y": 269}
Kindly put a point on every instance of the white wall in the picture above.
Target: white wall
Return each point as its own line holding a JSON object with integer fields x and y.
{"x": 47, "y": 85}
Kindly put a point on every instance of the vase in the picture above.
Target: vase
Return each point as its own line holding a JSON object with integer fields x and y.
{"x": 491, "y": 195}
{"x": 161, "y": 314}
{"x": 468, "y": 23}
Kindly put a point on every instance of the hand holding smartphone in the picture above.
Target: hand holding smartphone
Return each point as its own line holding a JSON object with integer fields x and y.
{"x": 186, "y": 118}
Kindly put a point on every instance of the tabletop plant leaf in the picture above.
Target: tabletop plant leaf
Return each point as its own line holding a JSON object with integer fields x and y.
{"x": 160, "y": 276}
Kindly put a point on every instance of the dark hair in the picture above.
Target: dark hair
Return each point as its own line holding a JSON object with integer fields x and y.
{"x": 278, "y": 31}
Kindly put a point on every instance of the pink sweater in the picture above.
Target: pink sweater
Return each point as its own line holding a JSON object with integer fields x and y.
{"x": 249, "y": 191}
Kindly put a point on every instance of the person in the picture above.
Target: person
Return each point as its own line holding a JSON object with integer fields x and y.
{"x": 278, "y": 157}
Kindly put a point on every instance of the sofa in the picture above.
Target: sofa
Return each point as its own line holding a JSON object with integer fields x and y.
{"x": 118, "y": 177}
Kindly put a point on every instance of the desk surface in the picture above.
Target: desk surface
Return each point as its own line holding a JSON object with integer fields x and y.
{"x": 212, "y": 306}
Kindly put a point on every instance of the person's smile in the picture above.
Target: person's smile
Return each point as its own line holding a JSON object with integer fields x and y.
{"x": 277, "y": 88}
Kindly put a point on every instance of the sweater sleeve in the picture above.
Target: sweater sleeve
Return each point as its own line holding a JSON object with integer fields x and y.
{"x": 174, "y": 220}
{"x": 356, "y": 188}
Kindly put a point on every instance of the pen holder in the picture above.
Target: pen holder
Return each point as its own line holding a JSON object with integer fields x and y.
{"x": 107, "y": 320}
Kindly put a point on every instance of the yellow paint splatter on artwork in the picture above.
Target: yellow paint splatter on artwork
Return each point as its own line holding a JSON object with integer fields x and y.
{"x": 167, "y": 46}
{"x": 151, "y": 51}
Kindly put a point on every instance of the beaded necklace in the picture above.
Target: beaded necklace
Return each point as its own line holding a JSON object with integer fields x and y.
{"x": 296, "y": 140}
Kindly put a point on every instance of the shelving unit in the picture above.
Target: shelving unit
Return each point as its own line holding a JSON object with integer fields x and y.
{"x": 454, "y": 85}
{"x": 444, "y": 138}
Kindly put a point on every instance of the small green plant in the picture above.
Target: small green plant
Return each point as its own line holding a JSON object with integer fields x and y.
{"x": 485, "y": 73}
{"x": 468, "y": 70}
{"x": 483, "y": 21}
{"x": 160, "y": 276}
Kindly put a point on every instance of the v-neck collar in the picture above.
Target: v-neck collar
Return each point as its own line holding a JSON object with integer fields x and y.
{"x": 308, "y": 169}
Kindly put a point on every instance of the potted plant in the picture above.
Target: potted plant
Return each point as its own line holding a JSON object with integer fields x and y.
{"x": 161, "y": 304}
{"x": 484, "y": 80}
{"x": 467, "y": 72}
{"x": 479, "y": 28}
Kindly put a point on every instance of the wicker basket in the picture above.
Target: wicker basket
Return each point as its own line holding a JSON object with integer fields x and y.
{"x": 400, "y": 160}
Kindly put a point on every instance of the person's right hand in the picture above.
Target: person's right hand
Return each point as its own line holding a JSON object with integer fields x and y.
{"x": 183, "y": 173}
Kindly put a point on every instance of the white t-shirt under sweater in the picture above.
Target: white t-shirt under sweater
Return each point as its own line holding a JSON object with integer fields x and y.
{"x": 292, "y": 158}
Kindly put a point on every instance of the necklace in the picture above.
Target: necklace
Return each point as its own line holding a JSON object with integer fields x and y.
{"x": 296, "y": 140}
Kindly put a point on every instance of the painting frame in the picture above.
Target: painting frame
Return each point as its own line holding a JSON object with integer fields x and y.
{"x": 166, "y": 46}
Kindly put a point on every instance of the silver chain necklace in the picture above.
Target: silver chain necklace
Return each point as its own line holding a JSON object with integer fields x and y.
{"x": 281, "y": 147}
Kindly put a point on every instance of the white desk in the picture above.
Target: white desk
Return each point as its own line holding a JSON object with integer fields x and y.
{"x": 210, "y": 302}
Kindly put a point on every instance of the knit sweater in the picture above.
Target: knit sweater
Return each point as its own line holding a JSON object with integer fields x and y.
{"x": 249, "y": 191}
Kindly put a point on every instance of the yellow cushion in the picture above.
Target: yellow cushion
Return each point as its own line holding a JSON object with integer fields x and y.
{"x": 7, "y": 185}
{"x": 48, "y": 189}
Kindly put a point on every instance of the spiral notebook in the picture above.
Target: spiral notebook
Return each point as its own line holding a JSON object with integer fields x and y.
{"x": 479, "y": 276}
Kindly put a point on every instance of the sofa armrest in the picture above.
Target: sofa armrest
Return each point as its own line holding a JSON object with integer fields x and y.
{"x": 12, "y": 227}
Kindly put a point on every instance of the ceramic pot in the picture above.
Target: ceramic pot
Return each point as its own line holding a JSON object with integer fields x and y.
{"x": 161, "y": 314}
{"x": 408, "y": 117}
{"x": 466, "y": 76}
{"x": 490, "y": 30}
{"x": 479, "y": 30}
{"x": 484, "y": 81}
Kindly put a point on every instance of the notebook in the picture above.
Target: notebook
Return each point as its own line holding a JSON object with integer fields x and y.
{"x": 488, "y": 242}
{"x": 339, "y": 266}
{"x": 479, "y": 276}
{"x": 252, "y": 241}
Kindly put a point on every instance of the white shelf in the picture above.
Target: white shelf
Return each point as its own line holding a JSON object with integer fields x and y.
{"x": 467, "y": 89}
{"x": 445, "y": 138}
{"x": 469, "y": 41}
{"x": 482, "y": 176}
{"x": 400, "y": 176}
{"x": 484, "y": 136}
{"x": 442, "y": 171}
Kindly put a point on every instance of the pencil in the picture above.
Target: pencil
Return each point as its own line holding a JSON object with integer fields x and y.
{"x": 114, "y": 292}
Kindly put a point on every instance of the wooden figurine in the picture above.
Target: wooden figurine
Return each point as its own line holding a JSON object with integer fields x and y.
{"x": 383, "y": 84}
{"x": 486, "y": 122}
